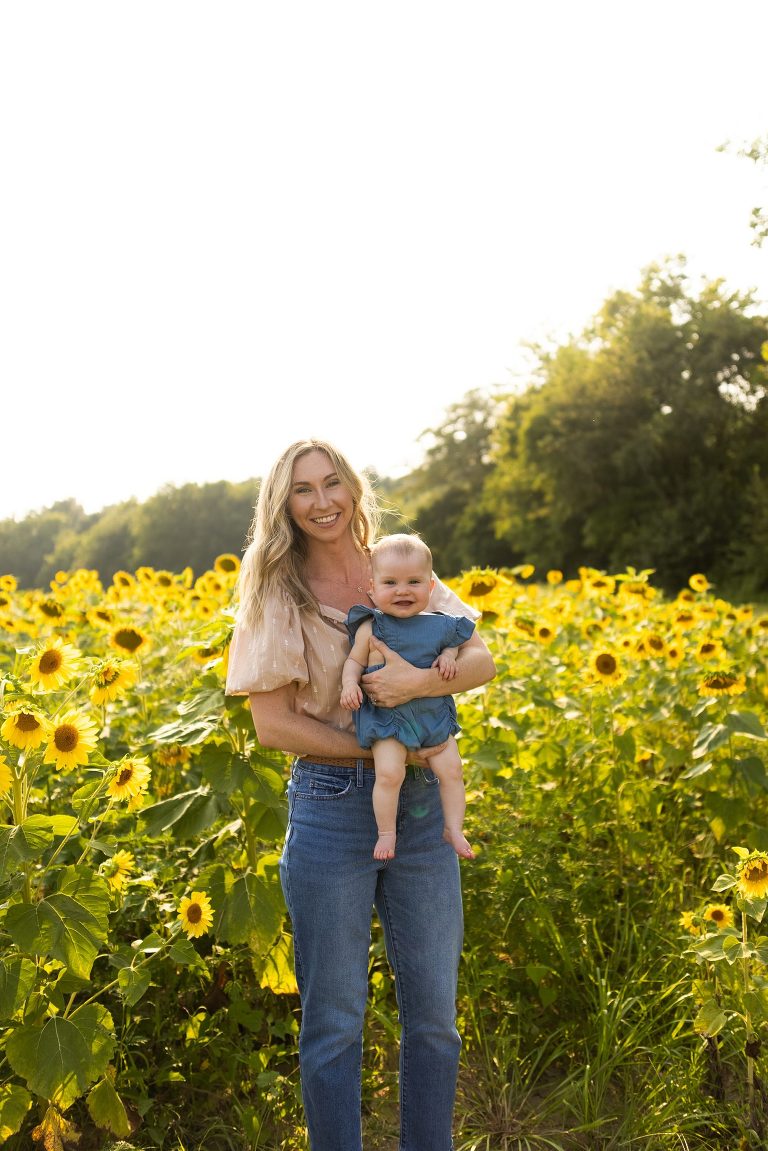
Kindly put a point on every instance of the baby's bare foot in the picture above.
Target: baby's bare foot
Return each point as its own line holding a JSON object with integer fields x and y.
{"x": 385, "y": 845}
{"x": 459, "y": 844}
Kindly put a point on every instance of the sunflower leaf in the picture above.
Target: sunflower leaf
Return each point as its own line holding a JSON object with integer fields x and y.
{"x": 107, "y": 1109}
{"x": 15, "y": 1101}
{"x": 132, "y": 984}
{"x": 24, "y": 841}
{"x": 711, "y": 736}
{"x": 61, "y": 1059}
{"x": 17, "y": 978}
{"x": 710, "y": 1020}
{"x": 745, "y": 723}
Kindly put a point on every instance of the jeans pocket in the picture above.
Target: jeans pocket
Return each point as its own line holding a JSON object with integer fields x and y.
{"x": 313, "y": 785}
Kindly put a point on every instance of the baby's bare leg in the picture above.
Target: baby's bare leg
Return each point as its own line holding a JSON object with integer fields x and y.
{"x": 389, "y": 762}
{"x": 446, "y": 764}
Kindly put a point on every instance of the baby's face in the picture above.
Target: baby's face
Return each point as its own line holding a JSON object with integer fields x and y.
{"x": 401, "y": 585}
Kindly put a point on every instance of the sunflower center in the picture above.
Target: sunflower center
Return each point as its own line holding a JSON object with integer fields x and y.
{"x": 125, "y": 775}
{"x": 606, "y": 663}
{"x": 108, "y": 675}
{"x": 720, "y": 682}
{"x": 716, "y": 915}
{"x": 50, "y": 662}
{"x": 707, "y": 648}
{"x": 129, "y": 639}
{"x": 481, "y": 587}
{"x": 194, "y": 913}
{"x": 756, "y": 872}
{"x": 66, "y": 737}
{"x": 25, "y": 721}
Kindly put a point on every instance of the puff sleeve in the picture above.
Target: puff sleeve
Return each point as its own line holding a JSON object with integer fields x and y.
{"x": 269, "y": 656}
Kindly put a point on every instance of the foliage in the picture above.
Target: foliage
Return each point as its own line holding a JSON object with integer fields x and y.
{"x": 178, "y": 527}
{"x": 644, "y": 441}
{"x": 618, "y": 754}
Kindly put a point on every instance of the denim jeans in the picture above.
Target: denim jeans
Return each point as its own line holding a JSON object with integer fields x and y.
{"x": 331, "y": 883}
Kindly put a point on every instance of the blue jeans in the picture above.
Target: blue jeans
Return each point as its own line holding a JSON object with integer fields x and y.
{"x": 331, "y": 883}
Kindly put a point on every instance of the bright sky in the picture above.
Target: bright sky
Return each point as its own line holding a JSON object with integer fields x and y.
{"x": 229, "y": 225}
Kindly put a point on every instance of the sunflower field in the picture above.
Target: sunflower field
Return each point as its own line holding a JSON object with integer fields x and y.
{"x": 614, "y": 986}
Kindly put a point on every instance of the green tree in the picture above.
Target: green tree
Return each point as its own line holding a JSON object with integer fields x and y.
{"x": 192, "y": 524}
{"x": 639, "y": 439}
{"x": 441, "y": 499}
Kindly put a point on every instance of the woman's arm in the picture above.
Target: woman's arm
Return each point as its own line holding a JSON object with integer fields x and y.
{"x": 281, "y": 726}
{"x": 399, "y": 681}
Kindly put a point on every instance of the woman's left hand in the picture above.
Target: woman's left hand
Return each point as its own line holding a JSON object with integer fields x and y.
{"x": 395, "y": 683}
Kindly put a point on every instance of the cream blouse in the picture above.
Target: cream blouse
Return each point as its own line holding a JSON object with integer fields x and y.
{"x": 308, "y": 650}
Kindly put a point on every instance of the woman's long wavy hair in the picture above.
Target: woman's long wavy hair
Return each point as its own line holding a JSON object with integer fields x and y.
{"x": 275, "y": 557}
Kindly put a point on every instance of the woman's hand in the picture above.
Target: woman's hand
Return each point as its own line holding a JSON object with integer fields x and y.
{"x": 397, "y": 681}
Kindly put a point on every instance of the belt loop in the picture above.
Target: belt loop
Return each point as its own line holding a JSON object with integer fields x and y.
{"x": 360, "y": 777}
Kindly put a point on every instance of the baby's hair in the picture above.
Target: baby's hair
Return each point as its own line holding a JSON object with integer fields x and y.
{"x": 401, "y": 544}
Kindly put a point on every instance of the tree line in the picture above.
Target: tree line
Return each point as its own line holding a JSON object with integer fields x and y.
{"x": 640, "y": 442}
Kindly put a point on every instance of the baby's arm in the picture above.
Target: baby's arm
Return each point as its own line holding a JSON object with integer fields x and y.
{"x": 446, "y": 662}
{"x": 354, "y": 666}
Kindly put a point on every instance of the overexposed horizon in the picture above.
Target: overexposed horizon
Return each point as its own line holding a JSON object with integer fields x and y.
{"x": 226, "y": 229}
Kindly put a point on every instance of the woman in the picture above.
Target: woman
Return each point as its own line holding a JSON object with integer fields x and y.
{"x": 307, "y": 564}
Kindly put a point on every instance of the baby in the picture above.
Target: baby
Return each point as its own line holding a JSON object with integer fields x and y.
{"x": 401, "y": 585}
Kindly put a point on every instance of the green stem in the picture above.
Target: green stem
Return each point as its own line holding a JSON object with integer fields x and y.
{"x": 747, "y": 1015}
{"x": 19, "y": 801}
{"x": 114, "y": 983}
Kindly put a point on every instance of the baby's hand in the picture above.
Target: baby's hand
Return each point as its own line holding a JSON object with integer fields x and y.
{"x": 351, "y": 697}
{"x": 446, "y": 665}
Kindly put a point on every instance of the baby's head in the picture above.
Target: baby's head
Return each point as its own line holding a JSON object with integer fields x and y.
{"x": 402, "y": 579}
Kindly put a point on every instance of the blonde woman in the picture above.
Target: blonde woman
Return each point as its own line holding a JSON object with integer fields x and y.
{"x": 306, "y": 565}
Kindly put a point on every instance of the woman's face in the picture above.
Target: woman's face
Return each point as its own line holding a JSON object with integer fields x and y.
{"x": 320, "y": 505}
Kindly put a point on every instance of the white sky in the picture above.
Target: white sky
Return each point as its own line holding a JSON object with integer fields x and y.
{"x": 229, "y": 225}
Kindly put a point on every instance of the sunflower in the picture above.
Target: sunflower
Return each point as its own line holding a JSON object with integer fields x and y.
{"x": 71, "y": 740}
{"x": 50, "y": 608}
{"x": 129, "y": 640}
{"x": 719, "y": 914}
{"x": 117, "y": 870}
{"x": 25, "y": 727}
{"x": 688, "y": 921}
{"x": 709, "y": 649}
{"x": 227, "y": 564}
{"x": 54, "y": 664}
{"x": 657, "y": 645}
{"x": 205, "y": 607}
{"x": 605, "y": 667}
{"x": 544, "y": 634}
{"x": 123, "y": 581}
{"x": 684, "y": 619}
{"x": 130, "y": 780}
{"x": 752, "y": 875}
{"x": 6, "y": 774}
{"x": 112, "y": 678}
{"x": 196, "y": 914}
{"x": 8, "y": 582}
{"x": 205, "y": 655}
{"x": 699, "y": 582}
{"x": 101, "y": 617}
{"x": 174, "y": 755}
{"x": 723, "y": 683}
{"x": 675, "y": 654}
{"x": 596, "y": 583}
